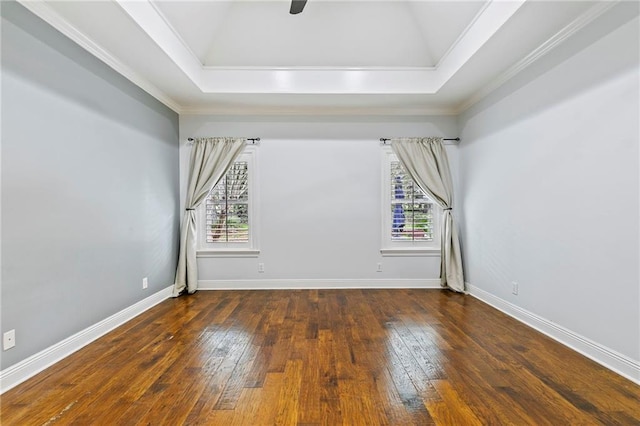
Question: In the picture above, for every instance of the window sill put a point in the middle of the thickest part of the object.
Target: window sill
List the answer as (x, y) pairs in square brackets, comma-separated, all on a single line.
[(228, 253), (410, 252)]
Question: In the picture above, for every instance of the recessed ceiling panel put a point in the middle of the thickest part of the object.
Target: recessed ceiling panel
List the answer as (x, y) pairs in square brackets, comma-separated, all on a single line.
[(325, 34)]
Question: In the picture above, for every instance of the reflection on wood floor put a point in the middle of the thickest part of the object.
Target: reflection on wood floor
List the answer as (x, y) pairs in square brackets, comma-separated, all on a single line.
[(324, 357)]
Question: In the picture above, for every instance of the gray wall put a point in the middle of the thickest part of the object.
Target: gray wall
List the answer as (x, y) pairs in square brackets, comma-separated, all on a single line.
[(320, 187), (89, 187), (549, 177)]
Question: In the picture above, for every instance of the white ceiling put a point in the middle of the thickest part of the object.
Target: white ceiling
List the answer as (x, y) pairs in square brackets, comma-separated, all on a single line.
[(336, 57), (328, 34)]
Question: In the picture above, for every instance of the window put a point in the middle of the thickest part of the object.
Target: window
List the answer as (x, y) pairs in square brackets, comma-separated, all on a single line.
[(227, 224), (410, 217)]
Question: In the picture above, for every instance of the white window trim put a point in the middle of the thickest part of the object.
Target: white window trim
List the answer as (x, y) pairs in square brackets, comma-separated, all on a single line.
[(390, 248), (250, 248), (228, 252), (410, 252)]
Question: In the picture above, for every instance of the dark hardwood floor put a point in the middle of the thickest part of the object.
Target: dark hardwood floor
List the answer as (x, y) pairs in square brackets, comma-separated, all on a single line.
[(324, 357)]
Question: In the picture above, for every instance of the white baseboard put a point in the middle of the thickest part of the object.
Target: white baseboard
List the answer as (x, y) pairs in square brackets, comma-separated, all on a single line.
[(604, 356), (301, 284), (23, 370), (18, 373)]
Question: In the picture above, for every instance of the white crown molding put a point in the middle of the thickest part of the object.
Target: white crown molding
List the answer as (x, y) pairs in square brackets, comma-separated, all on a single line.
[(558, 38), (315, 68), (301, 284), (46, 13), (604, 356), (316, 111), (23, 370)]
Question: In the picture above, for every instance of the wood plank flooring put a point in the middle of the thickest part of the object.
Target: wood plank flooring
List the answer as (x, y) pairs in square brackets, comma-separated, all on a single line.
[(324, 357)]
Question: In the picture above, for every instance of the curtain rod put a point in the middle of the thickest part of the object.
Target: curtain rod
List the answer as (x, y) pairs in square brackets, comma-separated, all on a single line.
[(252, 141), (385, 140)]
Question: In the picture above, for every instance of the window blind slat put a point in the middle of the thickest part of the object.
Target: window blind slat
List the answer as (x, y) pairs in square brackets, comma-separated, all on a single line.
[(227, 207), (411, 210)]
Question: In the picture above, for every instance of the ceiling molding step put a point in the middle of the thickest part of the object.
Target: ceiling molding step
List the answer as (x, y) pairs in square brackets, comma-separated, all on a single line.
[(153, 22), (317, 111), (317, 68), (176, 34), (319, 81), (462, 34), (484, 26), (558, 38), (47, 14)]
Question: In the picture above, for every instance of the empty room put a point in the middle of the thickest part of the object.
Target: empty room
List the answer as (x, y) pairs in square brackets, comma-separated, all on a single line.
[(320, 212)]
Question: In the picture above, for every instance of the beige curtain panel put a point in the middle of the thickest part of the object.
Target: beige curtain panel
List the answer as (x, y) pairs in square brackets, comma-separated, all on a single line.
[(210, 160), (426, 162)]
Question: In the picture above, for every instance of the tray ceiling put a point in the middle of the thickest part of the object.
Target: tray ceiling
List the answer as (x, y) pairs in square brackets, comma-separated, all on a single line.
[(337, 57)]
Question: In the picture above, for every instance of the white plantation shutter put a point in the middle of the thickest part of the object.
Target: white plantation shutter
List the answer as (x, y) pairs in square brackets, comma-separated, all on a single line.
[(227, 207), (411, 210)]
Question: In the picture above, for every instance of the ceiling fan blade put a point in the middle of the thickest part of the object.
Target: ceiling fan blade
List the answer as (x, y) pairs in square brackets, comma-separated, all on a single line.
[(297, 6)]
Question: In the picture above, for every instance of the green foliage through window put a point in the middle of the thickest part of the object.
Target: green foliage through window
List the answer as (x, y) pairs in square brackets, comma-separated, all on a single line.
[(227, 207)]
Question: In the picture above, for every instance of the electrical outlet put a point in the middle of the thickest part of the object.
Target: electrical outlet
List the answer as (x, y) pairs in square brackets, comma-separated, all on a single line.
[(379, 267), (260, 267), (145, 283), (514, 287), (9, 339)]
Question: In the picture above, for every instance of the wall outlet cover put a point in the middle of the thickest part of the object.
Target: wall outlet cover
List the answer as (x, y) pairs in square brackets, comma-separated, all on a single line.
[(9, 339)]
